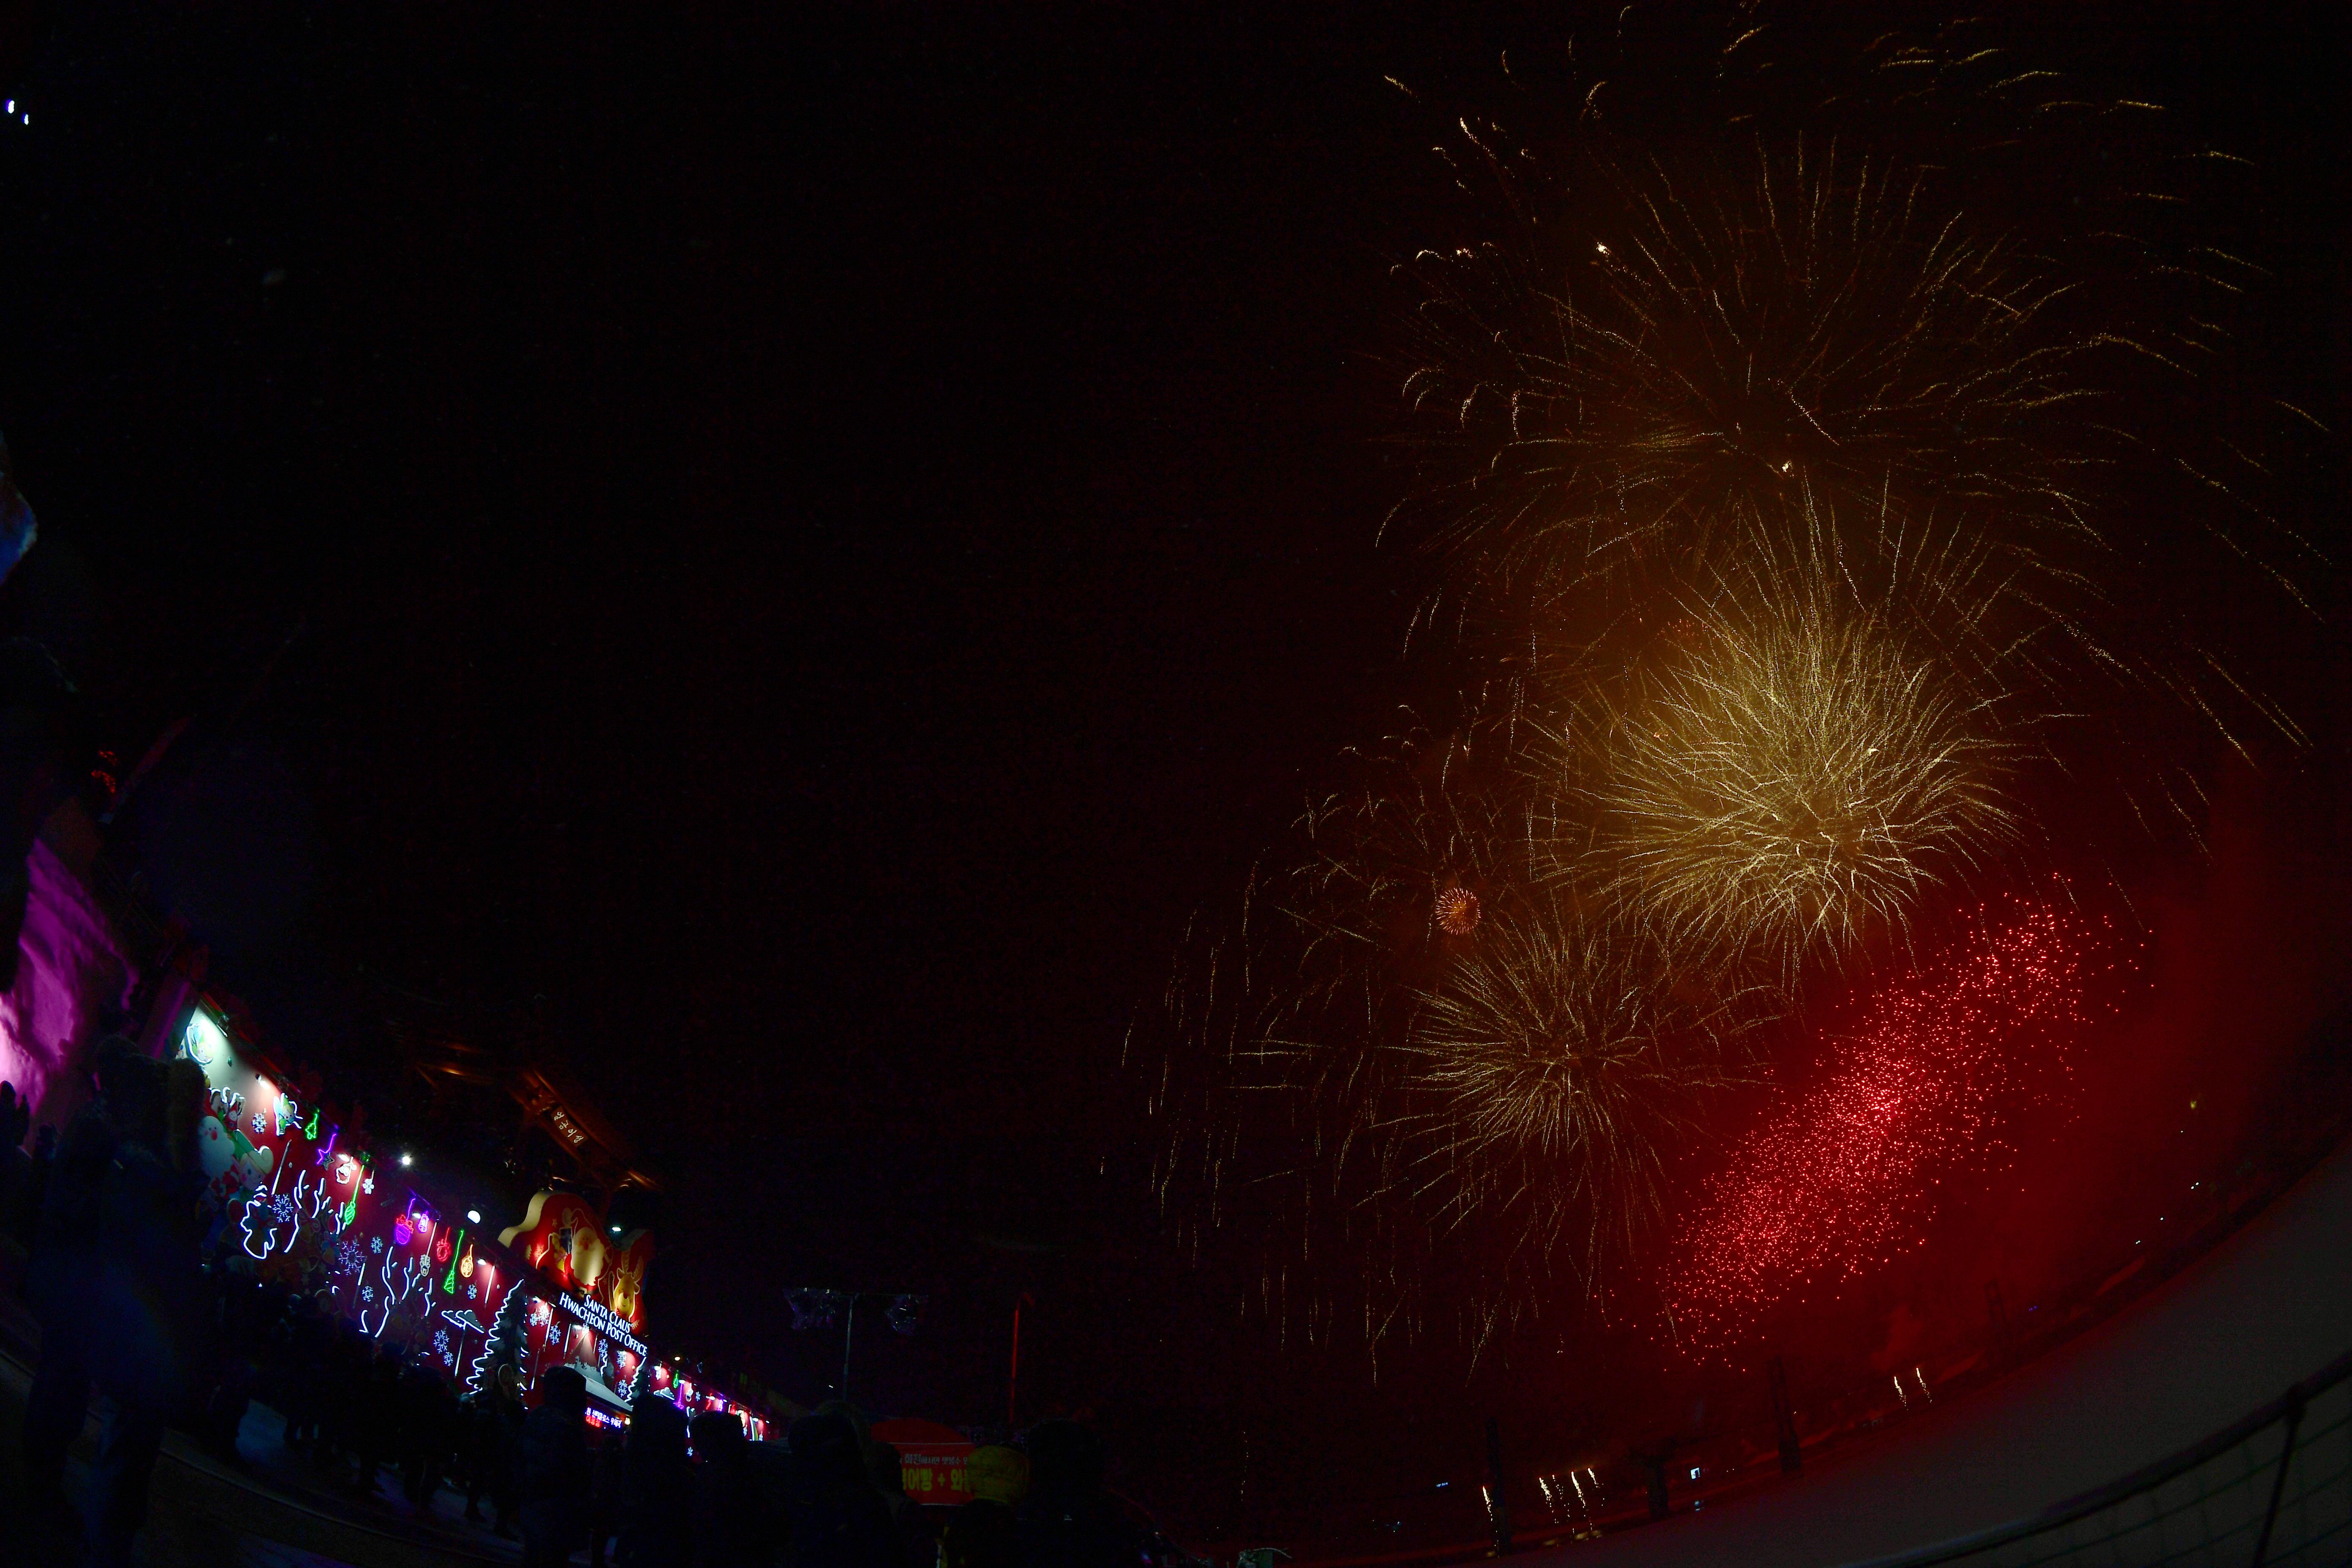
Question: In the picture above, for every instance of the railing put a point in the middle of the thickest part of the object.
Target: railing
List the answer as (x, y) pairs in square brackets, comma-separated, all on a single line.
[(2275, 1489)]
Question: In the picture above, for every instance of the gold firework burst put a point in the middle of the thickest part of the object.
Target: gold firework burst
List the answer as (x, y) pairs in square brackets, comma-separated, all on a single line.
[(1792, 779)]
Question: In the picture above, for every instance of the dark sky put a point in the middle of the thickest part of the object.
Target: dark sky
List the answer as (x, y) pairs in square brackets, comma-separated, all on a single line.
[(789, 550)]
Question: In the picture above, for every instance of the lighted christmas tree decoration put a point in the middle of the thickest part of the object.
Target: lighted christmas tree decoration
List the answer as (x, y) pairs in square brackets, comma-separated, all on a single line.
[(504, 1346)]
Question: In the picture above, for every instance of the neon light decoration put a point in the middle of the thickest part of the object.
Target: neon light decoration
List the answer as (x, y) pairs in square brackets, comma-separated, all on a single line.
[(279, 1209)]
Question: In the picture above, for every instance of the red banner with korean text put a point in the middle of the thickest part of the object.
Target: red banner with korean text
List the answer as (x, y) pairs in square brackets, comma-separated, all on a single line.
[(930, 1460)]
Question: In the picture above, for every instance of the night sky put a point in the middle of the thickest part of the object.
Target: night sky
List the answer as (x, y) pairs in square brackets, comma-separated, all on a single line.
[(782, 555)]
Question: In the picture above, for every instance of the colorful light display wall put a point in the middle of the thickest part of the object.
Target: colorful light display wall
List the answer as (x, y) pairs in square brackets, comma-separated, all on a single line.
[(296, 1202), (691, 1393)]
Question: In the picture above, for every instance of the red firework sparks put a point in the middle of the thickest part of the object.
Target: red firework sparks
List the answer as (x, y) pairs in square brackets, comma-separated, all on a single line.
[(1842, 1177), (1457, 912)]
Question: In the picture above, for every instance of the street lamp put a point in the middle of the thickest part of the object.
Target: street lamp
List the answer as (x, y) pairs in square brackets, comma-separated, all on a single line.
[(818, 1309)]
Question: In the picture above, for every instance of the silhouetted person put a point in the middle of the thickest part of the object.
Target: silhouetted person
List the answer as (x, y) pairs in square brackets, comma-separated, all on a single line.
[(1655, 1462), (506, 1417), (375, 1427), (838, 1520), (148, 1329), (24, 1214), (15, 1120), (428, 1422), (19, 1172), (657, 1487), (349, 1366), (306, 1352), (917, 1547), (1068, 1522), (245, 1311), (490, 1447), (555, 1470), (605, 1461), (983, 1533), (61, 1278), (729, 1528)]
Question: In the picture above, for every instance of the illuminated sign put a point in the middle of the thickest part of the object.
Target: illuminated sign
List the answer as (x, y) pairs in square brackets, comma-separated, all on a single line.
[(604, 1320), (567, 1240), (932, 1460)]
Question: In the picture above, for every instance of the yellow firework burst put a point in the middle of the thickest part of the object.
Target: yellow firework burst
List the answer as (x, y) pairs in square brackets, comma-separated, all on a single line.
[(1786, 780)]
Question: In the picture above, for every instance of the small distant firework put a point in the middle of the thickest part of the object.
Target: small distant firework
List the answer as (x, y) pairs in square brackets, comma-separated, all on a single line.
[(1457, 912), (1837, 1180), (1790, 780)]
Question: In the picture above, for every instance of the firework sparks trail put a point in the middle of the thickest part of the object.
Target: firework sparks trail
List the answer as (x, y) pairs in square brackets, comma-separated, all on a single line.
[(1676, 364), (1736, 350), (1844, 1177)]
